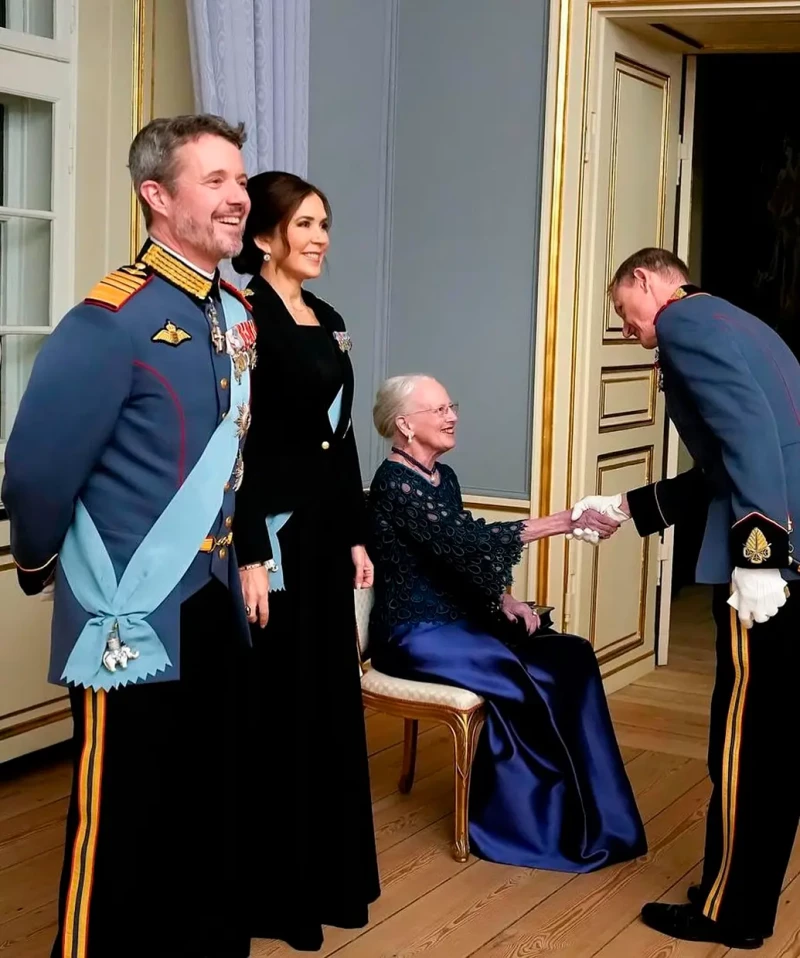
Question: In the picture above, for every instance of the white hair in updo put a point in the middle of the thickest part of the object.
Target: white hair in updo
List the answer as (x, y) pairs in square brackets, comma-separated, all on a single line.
[(390, 402)]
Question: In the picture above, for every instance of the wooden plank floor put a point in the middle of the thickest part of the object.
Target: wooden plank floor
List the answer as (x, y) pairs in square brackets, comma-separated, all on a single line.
[(431, 904)]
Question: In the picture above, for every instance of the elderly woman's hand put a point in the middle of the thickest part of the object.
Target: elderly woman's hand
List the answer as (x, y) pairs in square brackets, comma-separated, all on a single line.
[(598, 525), (364, 569), (255, 589), (514, 610)]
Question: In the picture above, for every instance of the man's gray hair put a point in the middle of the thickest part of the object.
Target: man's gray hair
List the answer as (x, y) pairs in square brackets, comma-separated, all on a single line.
[(654, 260), (391, 402), (152, 155)]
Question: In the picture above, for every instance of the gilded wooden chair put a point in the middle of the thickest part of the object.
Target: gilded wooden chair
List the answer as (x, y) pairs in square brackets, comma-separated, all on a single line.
[(459, 709)]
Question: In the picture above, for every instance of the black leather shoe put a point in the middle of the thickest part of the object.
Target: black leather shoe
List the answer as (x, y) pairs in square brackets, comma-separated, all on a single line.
[(689, 924)]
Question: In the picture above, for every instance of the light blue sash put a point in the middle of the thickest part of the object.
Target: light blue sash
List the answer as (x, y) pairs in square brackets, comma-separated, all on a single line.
[(277, 522), (160, 561)]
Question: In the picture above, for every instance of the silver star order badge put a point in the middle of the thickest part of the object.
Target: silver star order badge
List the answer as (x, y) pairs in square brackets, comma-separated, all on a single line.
[(243, 420), (238, 473)]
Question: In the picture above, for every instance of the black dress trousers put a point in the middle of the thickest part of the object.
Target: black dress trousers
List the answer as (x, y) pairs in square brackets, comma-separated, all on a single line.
[(755, 803), (155, 861)]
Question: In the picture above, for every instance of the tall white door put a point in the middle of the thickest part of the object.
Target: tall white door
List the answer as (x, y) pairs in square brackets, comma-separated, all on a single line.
[(630, 178)]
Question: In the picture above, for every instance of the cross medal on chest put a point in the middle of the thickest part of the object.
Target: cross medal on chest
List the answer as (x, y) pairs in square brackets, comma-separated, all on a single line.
[(217, 336)]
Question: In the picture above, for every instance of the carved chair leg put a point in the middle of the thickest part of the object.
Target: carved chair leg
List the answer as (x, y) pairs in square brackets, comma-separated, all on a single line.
[(465, 728), (409, 756)]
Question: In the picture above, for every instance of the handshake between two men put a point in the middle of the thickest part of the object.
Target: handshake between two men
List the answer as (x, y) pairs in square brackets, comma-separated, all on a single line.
[(756, 594)]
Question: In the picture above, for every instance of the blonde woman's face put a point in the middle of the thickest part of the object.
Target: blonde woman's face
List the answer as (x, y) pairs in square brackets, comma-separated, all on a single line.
[(431, 418)]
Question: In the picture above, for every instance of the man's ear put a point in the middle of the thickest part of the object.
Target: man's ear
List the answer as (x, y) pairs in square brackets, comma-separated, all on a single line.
[(156, 196), (642, 279)]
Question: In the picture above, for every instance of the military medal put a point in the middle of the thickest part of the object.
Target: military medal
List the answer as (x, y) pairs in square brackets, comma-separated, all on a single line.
[(659, 374), (241, 344), (217, 336)]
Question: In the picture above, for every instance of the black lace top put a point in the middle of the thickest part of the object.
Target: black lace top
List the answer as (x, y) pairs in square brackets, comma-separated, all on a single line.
[(434, 562)]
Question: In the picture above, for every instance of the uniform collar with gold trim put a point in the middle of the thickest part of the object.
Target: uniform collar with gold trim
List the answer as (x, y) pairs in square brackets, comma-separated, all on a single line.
[(680, 293), (177, 270)]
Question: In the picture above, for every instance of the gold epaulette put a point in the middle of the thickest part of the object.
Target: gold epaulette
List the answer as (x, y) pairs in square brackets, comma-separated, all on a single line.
[(114, 290), (240, 294), (176, 271)]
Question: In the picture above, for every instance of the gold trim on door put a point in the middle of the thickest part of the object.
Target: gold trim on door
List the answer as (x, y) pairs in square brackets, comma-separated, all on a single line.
[(137, 110)]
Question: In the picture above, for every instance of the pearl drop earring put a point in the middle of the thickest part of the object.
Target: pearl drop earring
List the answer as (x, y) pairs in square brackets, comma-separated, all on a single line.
[(267, 257)]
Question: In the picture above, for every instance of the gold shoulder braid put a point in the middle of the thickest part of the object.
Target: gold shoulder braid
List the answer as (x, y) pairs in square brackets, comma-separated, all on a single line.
[(115, 289), (177, 272)]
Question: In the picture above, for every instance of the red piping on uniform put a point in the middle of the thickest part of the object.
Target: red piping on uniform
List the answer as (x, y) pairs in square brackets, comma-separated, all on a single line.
[(181, 418)]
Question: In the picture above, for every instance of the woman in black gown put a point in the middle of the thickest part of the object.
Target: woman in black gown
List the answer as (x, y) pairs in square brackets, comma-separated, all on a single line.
[(299, 530), (549, 788)]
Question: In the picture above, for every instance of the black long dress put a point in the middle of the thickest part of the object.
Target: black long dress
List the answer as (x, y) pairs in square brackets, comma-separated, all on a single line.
[(312, 831)]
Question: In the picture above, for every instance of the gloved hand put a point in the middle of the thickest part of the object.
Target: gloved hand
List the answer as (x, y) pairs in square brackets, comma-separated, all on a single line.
[(607, 505), (757, 594)]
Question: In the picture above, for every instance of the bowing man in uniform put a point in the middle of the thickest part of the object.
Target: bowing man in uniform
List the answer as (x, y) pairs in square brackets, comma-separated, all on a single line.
[(732, 388), (121, 473)]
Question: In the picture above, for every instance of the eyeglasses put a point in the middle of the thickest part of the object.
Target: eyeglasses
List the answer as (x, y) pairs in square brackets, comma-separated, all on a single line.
[(441, 411)]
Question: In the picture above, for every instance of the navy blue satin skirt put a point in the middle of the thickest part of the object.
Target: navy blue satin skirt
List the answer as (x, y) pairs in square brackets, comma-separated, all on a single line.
[(549, 787)]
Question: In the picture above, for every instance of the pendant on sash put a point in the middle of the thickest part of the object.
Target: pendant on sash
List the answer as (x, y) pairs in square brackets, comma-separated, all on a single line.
[(117, 653), (217, 336)]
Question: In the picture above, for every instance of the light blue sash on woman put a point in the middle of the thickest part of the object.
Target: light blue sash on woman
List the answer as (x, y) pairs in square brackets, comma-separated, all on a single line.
[(277, 522), (160, 561)]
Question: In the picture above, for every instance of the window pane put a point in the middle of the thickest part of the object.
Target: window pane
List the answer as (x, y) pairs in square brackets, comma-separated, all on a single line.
[(24, 271), (28, 16), (17, 353), (26, 152)]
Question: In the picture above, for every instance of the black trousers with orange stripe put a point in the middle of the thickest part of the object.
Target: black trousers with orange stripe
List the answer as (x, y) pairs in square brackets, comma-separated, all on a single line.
[(155, 862), (755, 803)]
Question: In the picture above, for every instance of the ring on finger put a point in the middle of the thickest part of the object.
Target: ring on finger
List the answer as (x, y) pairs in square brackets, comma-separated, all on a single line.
[(248, 610)]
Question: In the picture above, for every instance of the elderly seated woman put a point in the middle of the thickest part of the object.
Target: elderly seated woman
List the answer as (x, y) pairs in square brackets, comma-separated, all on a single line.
[(549, 788)]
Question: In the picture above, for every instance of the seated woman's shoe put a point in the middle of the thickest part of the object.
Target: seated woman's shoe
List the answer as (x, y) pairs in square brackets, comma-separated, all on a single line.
[(689, 924)]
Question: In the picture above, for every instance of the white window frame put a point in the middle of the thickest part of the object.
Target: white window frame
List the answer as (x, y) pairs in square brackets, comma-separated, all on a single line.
[(43, 68)]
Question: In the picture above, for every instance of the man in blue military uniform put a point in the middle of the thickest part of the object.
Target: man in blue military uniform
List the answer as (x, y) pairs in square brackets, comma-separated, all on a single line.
[(121, 471), (732, 388)]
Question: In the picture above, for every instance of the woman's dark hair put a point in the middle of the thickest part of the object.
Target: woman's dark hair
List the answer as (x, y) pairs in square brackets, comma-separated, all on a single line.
[(275, 197)]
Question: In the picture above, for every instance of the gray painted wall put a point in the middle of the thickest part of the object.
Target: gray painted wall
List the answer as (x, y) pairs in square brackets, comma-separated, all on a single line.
[(426, 132)]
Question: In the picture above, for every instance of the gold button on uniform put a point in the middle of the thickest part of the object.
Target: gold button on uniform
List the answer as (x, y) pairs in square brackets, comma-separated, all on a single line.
[(228, 522), (223, 383), (227, 487), (326, 445), (223, 552)]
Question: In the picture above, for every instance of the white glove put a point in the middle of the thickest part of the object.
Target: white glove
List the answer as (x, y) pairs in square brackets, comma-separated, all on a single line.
[(609, 505), (585, 535), (757, 594)]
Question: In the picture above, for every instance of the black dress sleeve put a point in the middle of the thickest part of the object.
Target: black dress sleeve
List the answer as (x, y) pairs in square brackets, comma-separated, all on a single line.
[(354, 485), (479, 555)]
